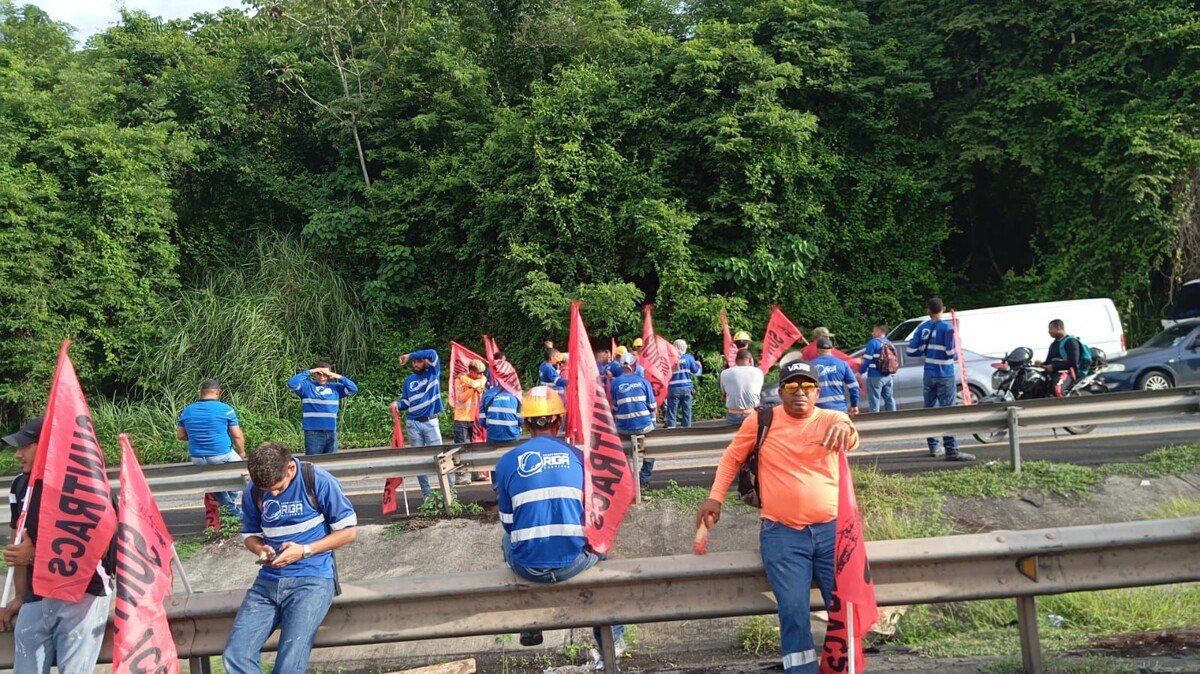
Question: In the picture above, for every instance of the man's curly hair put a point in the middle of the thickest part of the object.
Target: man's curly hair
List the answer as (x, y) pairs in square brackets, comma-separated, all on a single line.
[(268, 464)]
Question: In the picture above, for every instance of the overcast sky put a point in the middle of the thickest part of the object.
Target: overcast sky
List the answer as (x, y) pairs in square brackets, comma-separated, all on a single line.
[(92, 16)]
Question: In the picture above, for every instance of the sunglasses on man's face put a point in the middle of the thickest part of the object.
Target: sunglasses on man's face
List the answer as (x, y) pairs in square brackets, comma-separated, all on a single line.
[(806, 386)]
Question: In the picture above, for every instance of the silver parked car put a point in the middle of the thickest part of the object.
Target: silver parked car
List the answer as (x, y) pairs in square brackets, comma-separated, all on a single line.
[(909, 388)]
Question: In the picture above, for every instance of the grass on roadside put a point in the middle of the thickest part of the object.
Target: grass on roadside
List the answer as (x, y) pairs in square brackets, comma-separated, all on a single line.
[(1177, 507)]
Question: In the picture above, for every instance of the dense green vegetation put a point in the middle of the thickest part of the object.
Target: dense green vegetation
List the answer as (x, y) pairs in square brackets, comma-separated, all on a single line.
[(239, 194)]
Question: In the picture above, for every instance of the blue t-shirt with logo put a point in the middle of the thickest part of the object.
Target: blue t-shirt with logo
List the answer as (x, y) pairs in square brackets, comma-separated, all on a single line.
[(207, 424), (289, 517), (539, 487)]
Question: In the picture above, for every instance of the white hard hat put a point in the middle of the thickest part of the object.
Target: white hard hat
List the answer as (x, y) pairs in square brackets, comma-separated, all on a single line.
[(681, 345)]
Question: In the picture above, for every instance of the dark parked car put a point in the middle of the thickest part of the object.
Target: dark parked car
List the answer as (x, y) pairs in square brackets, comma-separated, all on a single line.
[(1170, 358)]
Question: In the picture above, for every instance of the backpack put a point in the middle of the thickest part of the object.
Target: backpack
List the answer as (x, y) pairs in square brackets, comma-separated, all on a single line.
[(309, 474), (1086, 359), (748, 473), (888, 361)]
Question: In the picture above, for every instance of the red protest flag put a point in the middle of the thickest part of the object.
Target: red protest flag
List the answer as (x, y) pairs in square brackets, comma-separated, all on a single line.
[(502, 371), (607, 476), (460, 358), (76, 520), (852, 608), (659, 358), (780, 334), (392, 483), (729, 347), (142, 639), (397, 430)]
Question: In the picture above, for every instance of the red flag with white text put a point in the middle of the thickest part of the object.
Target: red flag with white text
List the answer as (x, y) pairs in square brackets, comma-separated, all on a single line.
[(659, 359), (142, 639), (460, 358), (76, 520), (607, 476), (502, 371), (852, 608), (780, 334), (729, 347)]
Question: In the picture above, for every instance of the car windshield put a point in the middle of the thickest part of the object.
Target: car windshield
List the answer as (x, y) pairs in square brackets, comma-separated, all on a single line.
[(1187, 302), (1169, 337), (901, 332)]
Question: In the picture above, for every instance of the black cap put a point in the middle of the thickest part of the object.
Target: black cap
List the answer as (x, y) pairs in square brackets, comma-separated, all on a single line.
[(824, 343), (210, 385), (798, 369), (29, 433)]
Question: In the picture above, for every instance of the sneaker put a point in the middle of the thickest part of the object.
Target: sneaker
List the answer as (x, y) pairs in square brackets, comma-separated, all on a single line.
[(531, 638), (598, 662), (462, 480), (960, 456), (936, 452)]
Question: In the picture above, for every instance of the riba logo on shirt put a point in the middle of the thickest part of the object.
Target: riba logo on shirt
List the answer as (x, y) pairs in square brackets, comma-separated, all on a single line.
[(532, 463), (273, 510), (625, 388), (823, 370)]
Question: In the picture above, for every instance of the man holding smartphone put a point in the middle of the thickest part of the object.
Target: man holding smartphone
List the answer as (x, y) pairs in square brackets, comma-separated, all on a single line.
[(295, 515)]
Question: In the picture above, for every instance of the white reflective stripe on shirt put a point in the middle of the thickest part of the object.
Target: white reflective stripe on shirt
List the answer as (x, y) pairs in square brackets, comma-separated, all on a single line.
[(245, 536), (632, 415), (940, 361), (546, 531), (506, 518), (12, 498), (280, 532), (631, 399), (935, 347), (413, 408), (321, 415), (503, 422), (545, 494), (853, 384), (799, 659), (345, 522), (831, 399), (319, 401)]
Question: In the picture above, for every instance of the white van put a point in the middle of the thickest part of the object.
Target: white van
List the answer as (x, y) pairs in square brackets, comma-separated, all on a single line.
[(995, 331)]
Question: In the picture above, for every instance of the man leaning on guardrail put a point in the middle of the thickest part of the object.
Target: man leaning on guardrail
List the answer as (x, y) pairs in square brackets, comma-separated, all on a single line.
[(798, 485)]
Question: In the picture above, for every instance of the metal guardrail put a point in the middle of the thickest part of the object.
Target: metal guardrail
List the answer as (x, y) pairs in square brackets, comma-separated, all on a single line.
[(708, 441), (1002, 564)]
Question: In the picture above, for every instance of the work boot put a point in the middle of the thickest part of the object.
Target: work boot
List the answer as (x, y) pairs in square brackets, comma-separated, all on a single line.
[(936, 452), (531, 638), (960, 456)]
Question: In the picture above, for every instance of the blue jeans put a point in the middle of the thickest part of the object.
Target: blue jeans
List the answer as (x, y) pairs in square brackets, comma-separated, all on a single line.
[(295, 605), (680, 400), (586, 560), (423, 434), (880, 389), (793, 560), (53, 629), (735, 418), (320, 442), (939, 392), (229, 499)]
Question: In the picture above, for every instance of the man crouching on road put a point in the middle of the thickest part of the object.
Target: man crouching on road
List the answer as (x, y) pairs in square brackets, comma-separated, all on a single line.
[(798, 483), (539, 486), (291, 525)]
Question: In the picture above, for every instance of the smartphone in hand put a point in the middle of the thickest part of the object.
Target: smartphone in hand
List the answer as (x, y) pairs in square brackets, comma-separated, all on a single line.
[(264, 561)]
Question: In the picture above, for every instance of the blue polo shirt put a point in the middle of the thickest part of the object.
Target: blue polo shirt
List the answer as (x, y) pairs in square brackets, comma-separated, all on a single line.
[(539, 487), (207, 424)]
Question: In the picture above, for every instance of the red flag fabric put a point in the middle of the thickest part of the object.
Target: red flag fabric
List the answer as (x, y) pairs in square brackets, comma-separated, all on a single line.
[(781, 333), (729, 347), (852, 609), (659, 358), (76, 521), (390, 486), (962, 361), (502, 371), (397, 430), (142, 639), (212, 512), (460, 358), (607, 476)]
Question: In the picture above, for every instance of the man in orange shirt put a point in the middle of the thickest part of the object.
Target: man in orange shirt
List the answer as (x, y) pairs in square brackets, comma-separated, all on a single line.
[(798, 483), (468, 390)]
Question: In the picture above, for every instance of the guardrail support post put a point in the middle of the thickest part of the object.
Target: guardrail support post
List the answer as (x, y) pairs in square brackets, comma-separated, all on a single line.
[(638, 443), (1014, 439), (200, 666), (446, 466), (608, 649), (1031, 647)]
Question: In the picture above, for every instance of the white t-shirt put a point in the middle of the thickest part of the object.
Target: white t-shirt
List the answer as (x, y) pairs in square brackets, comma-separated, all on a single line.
[(742, 385)]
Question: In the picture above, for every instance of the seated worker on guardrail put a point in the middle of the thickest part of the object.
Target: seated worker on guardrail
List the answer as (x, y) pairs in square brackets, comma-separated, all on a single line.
[(296, 514), (798, 485), (539, 486)]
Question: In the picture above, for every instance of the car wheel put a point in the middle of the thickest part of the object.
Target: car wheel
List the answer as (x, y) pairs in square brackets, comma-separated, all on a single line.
[(1155, 380), (976, 395), (1080, 430)]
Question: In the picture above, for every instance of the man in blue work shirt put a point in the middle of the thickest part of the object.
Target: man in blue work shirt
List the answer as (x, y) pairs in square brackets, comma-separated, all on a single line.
[(548, 370), (214, 435), (293, 536), (539, 490), (934, 340), (500, 413), (321, 391), (681, 389), (422, 399), (880, 386), (633, 400), (839, 386)]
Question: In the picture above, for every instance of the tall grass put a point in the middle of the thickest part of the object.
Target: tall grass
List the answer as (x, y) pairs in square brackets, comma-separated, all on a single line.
[(253, 325)]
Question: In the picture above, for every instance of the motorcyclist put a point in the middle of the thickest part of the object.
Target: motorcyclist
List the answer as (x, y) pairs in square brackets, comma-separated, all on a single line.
[(1063, 362)]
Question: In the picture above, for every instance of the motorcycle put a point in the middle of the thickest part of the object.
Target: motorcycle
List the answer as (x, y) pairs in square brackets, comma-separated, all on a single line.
[(1020, 377)]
